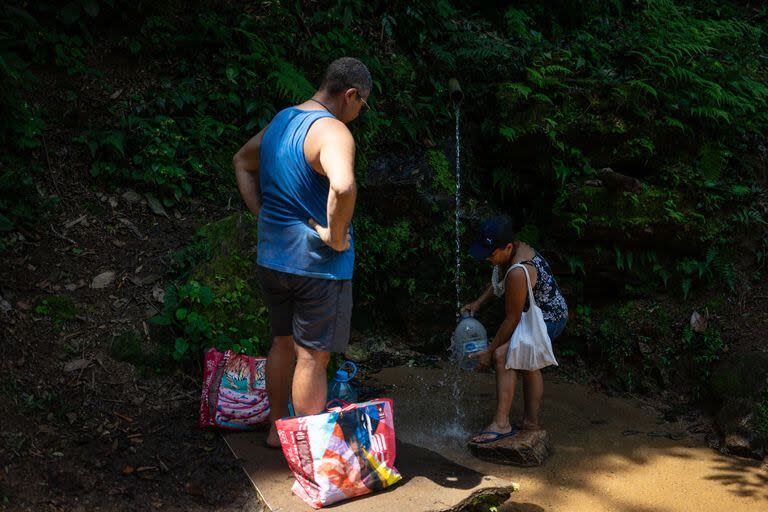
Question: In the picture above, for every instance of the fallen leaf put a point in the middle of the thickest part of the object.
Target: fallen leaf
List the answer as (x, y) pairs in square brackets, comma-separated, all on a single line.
[(128, 470), (155, 205), (123, 417), (103, 280), (74, 222), (116, 94), (158, 294), (130, 225), (192, 489), (46, 429), (77, 364), (150, 279)]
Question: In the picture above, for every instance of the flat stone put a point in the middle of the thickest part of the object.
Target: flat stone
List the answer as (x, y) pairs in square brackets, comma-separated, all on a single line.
[(526, 448)]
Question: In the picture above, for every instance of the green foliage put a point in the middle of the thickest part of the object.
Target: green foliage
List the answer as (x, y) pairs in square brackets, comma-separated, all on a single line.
[(672, 93), (639, 343), (59, 308), (148, 359), (215, 302), (381, 256), (205, 320), (445, 181), (705, 349)]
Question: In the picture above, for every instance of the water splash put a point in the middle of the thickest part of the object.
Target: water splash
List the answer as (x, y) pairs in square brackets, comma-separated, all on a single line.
[(442, 426)]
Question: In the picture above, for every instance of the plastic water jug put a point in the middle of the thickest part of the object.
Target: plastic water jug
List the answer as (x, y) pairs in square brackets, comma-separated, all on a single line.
[(468, 338), (341, 387)]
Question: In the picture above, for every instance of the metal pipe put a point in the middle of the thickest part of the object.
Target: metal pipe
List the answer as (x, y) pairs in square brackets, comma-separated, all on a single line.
[(454, 89)]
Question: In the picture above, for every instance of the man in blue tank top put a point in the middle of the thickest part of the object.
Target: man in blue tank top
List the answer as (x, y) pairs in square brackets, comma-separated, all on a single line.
[(297, 176)]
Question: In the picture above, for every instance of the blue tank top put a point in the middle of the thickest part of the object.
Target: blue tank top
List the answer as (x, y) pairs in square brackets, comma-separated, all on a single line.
[(292, 193)]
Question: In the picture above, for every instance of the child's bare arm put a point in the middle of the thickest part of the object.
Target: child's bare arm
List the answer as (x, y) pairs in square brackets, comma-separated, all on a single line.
[(484, 297)]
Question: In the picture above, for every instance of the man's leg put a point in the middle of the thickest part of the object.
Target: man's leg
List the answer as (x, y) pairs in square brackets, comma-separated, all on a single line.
[(279, 371), (310, 386), (533, 389), (506, 380)]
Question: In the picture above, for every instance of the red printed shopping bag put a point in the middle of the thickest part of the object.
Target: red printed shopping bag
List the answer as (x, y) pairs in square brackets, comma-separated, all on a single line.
[(342, 453), (234, 391)]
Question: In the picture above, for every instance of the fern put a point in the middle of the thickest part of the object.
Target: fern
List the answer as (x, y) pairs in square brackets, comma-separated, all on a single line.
[(712, 114), (290, 83)]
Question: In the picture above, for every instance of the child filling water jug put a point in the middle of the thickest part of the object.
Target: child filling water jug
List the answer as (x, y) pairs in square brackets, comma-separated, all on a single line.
[(469, 337)]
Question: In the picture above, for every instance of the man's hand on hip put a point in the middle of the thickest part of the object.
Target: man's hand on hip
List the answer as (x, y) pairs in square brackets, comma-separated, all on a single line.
[(325, 236)]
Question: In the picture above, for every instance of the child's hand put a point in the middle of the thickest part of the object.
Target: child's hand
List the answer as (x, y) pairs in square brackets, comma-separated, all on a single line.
[(472, 308), (483, 360)]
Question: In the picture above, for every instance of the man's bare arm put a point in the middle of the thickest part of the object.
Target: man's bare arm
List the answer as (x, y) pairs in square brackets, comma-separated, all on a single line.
[(337, 158), (246, 165)]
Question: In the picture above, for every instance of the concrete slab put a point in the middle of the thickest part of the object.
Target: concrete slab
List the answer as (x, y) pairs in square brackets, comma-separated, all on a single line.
[(430, 482)]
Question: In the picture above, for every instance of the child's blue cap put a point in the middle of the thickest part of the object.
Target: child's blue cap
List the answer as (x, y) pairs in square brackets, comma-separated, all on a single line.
[(493, 234)]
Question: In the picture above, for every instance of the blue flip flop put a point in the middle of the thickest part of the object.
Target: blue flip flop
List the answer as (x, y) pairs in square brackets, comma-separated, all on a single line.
[(497, 436)]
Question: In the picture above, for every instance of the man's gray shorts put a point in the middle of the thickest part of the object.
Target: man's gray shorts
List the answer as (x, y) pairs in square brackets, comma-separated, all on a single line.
[(316, 312)]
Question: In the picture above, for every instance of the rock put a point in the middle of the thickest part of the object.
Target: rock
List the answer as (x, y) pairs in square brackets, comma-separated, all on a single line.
[(737, 422), (617, 181), (527, 448), (103, 280), (131, 196), (698, 322), (746, 444)]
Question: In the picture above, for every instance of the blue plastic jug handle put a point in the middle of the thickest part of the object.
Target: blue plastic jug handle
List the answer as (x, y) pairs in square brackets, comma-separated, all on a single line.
[(354, 369), (333, 403)]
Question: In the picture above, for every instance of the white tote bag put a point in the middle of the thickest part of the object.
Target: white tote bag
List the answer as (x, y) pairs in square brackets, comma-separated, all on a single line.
[(530, 347)]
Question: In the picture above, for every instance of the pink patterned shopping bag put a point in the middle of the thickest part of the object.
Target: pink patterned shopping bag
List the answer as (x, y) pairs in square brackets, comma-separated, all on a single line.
[(342, 453), (234, 392)]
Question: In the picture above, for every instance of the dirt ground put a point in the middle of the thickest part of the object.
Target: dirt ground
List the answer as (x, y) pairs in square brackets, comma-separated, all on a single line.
[(608, 453), (80, 429)]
